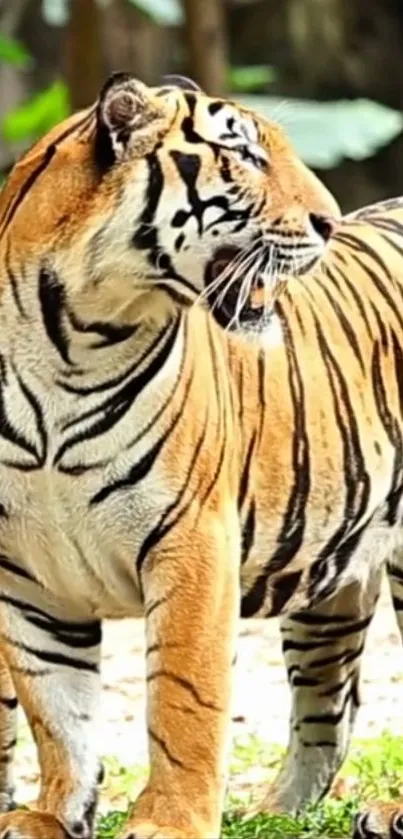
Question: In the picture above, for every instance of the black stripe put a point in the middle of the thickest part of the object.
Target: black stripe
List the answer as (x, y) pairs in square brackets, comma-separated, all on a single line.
[(34, 175), (345, 324), (328, 718), (310, 618), (340, 659), (10, 703), (356, 478), (52, 297), (188, 166), (291, 644), (39, 420), (358, 247), (108, 334), (32, 672), (166, 523), (394, 571), (398, 359), (168, 754), (161, 601), (320, 744), (345, 630), (243, 487), (8, 432), (355, 293), (382, 328), (337, 688), (302, 681), (57, 658), (397, 604), (109, 412), (119, 379), (8, 565), (248, 532), (187, 685), (146, 235), (261, 375), (389, 225), (75, 634), (290, 538), (15, 291), (392, 428), (70, 635), (143, 466), (283, 590)]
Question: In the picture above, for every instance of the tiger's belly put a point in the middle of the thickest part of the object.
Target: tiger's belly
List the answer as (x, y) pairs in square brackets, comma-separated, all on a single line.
[(80, 547)]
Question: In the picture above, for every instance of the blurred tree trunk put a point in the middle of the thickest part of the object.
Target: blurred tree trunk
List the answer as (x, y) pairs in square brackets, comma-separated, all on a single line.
[(84, 53), (134, 43), (206, 39)]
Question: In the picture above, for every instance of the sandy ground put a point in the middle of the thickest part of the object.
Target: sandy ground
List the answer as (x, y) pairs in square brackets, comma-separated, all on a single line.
[(261, 699)]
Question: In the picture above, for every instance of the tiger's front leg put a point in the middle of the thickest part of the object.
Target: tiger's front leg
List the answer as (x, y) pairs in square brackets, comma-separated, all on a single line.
[(191, 593), (55, 669)]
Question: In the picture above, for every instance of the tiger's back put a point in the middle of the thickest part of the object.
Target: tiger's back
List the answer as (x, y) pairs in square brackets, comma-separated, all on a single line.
[(327, 507)]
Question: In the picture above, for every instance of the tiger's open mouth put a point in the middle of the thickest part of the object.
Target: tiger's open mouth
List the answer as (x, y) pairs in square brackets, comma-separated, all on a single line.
[(231, 291), (239, 294), (241, 288)]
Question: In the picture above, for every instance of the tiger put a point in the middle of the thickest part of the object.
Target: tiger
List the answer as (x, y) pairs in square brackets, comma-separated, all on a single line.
[(200, 398)]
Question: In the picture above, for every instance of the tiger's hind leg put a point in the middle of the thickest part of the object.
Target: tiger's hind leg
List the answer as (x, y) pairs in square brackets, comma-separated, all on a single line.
[(55, 667), (323, 648), (8, 735)]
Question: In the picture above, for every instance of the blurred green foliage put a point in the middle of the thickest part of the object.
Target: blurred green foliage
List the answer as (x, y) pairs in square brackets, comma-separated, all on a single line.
[(12, 52), (323, 133), (35, 117), (250, 79)]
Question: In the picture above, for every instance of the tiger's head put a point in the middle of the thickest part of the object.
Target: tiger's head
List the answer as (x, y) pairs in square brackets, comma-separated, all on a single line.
[(163, 197)]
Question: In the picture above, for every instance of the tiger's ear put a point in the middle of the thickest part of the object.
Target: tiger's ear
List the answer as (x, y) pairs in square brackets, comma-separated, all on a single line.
[(125, 107), (174, 80)]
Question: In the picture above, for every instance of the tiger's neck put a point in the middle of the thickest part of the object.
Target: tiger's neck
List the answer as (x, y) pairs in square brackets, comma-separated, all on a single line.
[(83, 341)]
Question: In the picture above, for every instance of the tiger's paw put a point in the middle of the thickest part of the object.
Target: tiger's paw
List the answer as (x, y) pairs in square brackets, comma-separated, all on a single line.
[(158, 815), (30, 824)]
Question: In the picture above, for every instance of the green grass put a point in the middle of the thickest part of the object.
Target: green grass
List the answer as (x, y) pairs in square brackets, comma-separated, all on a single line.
[(374, 770)]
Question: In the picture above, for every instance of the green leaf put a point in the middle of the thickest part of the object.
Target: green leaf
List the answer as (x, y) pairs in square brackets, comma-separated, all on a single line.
[(35, 117), (13, 52), (324, 133), (163, 12), (249, 78)]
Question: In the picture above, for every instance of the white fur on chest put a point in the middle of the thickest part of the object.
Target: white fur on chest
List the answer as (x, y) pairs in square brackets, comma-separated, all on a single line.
[(80, 549), (81, 553)]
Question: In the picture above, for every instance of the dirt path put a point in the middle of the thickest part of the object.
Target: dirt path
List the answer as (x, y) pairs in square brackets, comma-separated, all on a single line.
[(261, 698)]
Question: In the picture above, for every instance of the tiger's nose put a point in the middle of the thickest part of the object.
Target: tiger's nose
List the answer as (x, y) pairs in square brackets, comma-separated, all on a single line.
[(324, 226)]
